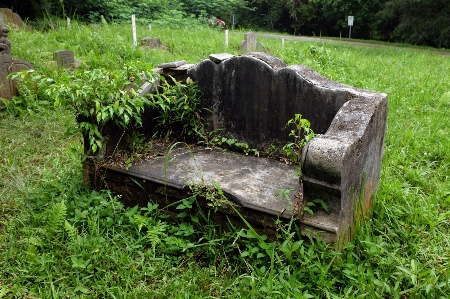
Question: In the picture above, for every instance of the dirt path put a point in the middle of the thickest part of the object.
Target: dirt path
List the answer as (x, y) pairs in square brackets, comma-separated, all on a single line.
[(355, 43)]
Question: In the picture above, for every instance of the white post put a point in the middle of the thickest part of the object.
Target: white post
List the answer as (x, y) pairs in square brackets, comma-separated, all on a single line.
[(282, 43), (226, 38), (149, 27), (68, 22), (133, 25)]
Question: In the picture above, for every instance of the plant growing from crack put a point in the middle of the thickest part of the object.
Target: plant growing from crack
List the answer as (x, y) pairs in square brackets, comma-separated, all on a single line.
[(302, 134)]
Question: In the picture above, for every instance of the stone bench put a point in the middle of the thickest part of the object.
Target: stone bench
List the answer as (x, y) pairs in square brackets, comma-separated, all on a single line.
[(251, 98)]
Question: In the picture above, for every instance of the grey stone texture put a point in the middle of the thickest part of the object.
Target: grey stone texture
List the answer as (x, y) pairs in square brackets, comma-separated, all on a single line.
[(250, 43), (173, 64), (151, 43), (250, 98), (8, 16), (249, 181), (66, 59), (253, 96), (177, 70), (218, 58), (8, 65)]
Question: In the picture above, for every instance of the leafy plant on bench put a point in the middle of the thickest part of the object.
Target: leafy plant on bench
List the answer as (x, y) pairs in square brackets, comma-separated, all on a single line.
[(302, 134), (215, 139), (180, 107), (96, 96)]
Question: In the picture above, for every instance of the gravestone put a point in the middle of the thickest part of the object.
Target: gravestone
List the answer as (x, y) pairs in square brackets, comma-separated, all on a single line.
[(151, 43), (250, 43), (175, 69), (250, 98), (66, 59), (8, 65), (7, 15)]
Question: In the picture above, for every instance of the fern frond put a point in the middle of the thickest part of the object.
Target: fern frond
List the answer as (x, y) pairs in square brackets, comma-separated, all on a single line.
[(156, 232), (71, 231), (140, 221), (56, 217)]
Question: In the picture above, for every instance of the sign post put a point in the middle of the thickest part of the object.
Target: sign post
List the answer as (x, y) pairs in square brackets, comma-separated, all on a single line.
[(350, 24), (133, 26), (233, 21), (226, 38)]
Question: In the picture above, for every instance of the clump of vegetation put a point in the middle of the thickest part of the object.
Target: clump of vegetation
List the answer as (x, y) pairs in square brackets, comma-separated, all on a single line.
[(96, 97)]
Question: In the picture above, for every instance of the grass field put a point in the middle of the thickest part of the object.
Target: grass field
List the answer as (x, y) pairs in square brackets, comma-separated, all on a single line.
[(61, 240)]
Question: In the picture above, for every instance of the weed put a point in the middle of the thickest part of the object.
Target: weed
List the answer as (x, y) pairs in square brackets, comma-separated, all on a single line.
[(179, 109), (302, 134)]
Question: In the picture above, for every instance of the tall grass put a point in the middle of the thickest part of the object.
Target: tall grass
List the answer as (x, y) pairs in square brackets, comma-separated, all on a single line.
[(105, 250)]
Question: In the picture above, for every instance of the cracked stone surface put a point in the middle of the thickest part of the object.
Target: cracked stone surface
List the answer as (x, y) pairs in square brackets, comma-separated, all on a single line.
[(249, 181)]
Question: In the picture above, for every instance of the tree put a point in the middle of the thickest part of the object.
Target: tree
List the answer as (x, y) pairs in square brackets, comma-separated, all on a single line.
[(418, 22)]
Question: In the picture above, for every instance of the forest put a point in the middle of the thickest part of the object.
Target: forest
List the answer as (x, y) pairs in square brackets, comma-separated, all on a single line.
[(416, 22)]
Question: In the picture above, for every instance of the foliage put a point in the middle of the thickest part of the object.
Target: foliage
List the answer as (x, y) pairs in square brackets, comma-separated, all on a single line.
[(179, 108), (97, 96), (417, 22), (302, 134)]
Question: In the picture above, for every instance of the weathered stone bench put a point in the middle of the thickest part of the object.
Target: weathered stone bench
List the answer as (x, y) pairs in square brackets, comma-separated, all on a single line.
[(251, 98)]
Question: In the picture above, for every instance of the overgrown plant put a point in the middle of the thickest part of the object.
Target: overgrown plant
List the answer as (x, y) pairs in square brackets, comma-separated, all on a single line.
[(179, 106), (97, 97), (215, 139), (302, 134)]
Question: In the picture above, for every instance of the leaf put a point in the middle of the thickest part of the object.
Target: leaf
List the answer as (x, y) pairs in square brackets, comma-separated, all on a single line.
[(322, 204), (182, 215), (81, 289), (307, 209), (181, 207)]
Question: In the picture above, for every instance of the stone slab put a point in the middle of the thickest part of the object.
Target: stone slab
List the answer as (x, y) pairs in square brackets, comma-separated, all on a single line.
[(148, 87), (251, 98), (249, 181), (218, 58), (6, 90), (249, 44), (64, 58), (151, 42), (173, 64)]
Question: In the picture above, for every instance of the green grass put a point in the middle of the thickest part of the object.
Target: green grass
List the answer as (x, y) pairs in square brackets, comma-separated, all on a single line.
[(107, 251)]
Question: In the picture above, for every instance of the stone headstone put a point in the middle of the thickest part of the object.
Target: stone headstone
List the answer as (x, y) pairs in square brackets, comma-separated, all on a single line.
[(6, 90), (8, 13), (66, 59), (151, 43), (149, 87), (251, 98), (8, 16), (250, 43), (8, 65)]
